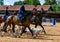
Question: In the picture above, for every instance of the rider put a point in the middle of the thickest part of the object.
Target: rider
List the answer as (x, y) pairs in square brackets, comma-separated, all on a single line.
[(21, 13), (34, 13), (6, 14), (5, 17)]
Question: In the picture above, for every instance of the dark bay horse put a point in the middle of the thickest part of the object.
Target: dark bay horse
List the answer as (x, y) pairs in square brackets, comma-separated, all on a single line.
[(38, 20)]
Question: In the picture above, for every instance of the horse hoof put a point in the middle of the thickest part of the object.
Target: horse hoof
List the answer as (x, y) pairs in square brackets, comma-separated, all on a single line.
[(2, 34), (19, 36), (15, 35), (34, 37), (44, 32)]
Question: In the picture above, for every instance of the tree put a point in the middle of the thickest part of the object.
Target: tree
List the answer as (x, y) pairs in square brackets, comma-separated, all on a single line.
[(53, 4), (36, 2), (32, 2), (29, 2), (18, 3), (47, 2), (50, 2)]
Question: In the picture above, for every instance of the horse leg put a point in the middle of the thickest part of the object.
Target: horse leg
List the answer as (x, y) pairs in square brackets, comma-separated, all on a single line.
[(9, 29), (23, 30), (30, 30), (13, 29), (43, 29), (4, 29), (35, 25)]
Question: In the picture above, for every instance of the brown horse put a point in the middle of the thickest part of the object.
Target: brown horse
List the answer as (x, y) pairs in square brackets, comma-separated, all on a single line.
[(6, 23), (26, 23), (14, 21)]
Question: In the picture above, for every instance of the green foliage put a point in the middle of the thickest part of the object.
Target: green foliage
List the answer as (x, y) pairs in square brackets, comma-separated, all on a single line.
[(36, 2), (29, 2), (32, 2), (54, 7), (58, 7), (52, 3), (18, 3)]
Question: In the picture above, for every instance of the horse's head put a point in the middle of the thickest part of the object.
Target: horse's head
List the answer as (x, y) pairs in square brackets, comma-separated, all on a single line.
[(34, 11)]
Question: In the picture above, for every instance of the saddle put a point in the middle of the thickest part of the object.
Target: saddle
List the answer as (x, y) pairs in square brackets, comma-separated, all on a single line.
[(24, 17)]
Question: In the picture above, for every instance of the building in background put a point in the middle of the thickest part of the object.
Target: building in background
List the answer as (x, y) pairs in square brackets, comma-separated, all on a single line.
[(1, 2)]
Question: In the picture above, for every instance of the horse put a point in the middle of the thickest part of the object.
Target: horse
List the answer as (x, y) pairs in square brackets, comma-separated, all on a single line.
[(14, 21), (25, 24), (38, 20)]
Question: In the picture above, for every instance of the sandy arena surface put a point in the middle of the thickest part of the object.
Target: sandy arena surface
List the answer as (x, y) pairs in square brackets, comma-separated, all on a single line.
[(53, 35)]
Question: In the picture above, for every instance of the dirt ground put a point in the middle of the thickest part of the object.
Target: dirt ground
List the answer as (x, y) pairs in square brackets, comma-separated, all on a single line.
[(53, 35)]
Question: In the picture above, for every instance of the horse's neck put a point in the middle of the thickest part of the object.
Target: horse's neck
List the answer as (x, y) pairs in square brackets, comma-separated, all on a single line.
[(15, 16)]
